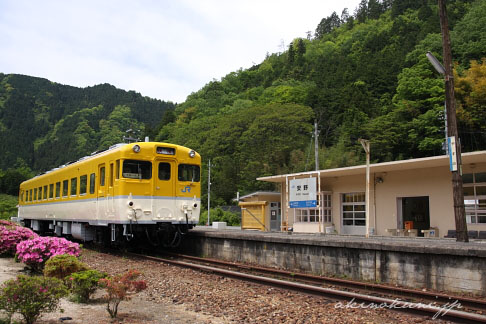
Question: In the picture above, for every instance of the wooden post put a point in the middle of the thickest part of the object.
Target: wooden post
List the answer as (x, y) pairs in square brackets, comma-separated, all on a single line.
[(457, 189)]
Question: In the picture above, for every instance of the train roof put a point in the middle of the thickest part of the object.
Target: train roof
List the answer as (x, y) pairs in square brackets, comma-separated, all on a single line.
[(111, 149)]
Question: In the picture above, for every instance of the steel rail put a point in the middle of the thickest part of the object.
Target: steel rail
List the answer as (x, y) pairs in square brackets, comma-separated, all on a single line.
[(473, 303), (444, 312)]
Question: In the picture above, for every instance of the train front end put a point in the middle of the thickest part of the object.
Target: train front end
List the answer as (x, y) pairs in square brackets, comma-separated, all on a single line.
[(161, 184)]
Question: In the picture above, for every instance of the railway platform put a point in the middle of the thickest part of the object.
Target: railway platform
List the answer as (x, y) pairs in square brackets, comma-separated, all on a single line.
[(414, 262)]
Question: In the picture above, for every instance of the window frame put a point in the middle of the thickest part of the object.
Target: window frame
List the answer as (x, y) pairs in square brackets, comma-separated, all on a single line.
[(356, 202), (475, 204), (85, 182)]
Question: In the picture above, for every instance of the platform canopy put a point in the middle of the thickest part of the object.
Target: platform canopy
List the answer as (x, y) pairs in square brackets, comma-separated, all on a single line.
[(421, 163)]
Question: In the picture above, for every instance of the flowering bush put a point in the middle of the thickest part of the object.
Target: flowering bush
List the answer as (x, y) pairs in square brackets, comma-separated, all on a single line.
[(7, 223), (84, 283), (63, 265), (37, 251), (31, 296), (121, 287), (11, 235)]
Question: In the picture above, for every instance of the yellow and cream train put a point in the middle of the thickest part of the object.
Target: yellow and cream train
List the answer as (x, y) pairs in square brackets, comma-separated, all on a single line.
[(146, 190)]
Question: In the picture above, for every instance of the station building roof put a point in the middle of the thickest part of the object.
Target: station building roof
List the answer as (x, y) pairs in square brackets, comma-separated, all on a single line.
[(421, 163)]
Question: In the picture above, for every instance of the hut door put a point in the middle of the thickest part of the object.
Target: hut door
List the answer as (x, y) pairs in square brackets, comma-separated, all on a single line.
[(275, 216)]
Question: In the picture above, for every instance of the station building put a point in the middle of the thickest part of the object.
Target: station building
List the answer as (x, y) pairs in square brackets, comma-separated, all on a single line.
[(409, 197)]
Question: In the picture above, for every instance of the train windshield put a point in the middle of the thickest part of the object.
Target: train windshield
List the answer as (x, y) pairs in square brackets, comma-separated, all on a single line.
[(134, 169), (189, 172)]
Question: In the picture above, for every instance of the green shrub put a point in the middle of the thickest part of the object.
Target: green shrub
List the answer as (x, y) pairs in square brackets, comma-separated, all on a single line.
[(219, 215), (63, 265), (31, 296), (84, 283)]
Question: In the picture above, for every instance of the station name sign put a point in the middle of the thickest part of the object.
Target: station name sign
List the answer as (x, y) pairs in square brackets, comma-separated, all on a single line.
[(303, 193)]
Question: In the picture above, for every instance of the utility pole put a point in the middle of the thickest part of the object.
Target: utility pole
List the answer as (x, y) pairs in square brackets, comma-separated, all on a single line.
[(209, 190), (457, 189), (316, 144), (366, 147)]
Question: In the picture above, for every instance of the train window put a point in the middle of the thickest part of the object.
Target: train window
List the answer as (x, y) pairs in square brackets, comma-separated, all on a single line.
[(35, 194), (188, 172), (117, 171), (134, 169), (111, 174), (30, 196), (51, 191), (92, 183), (58, 189), (27, 195), (74, 186), (45, 192), (83, 184), (65, 188), (164, 171), (39, 197), (102, 176)]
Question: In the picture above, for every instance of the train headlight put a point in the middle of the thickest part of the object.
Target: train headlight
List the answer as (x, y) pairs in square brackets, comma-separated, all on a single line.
[(192, 153), (136, 148)]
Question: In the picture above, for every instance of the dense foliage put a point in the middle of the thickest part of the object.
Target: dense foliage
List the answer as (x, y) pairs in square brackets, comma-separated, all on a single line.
[(362, 74), (8, 206), (37, 117)]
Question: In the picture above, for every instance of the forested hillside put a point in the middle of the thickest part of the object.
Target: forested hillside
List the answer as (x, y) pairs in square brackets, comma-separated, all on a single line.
[(45, 124), (363, 73)]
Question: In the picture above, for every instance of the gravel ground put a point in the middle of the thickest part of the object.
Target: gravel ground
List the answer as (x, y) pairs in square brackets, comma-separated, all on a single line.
[(184, 296), (179, 295)]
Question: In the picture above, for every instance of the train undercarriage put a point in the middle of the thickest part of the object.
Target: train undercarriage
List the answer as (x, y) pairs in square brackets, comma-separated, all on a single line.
[(161, 234)]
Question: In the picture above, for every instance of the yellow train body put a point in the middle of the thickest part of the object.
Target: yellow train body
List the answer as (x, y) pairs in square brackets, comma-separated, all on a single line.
[(145, 183)]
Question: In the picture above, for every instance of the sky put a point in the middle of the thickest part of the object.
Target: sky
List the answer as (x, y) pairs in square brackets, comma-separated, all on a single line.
[(163, 49)]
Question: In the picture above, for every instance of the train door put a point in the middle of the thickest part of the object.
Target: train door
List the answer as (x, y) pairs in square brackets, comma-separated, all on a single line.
[(164, 189), (110, 191), (101, 193)]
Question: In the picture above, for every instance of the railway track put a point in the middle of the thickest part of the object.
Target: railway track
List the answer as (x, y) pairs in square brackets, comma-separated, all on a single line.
[(355, 294)]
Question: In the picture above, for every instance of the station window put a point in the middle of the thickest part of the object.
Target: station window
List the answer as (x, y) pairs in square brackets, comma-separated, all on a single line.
[(353, 209), (65, 188), (164, 171), (39, 196), (135, 169), (74, 186), (188, 172), (51, 191), (45, 192), (92, 183), (306, 215), (58, 190), (83, 184), (474, 185)]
